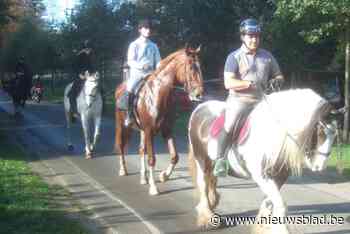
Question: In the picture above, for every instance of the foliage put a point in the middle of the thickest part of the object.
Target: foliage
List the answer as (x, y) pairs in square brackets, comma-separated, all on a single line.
[(212, 24), (91, 20), (32, 41), (312, 25)]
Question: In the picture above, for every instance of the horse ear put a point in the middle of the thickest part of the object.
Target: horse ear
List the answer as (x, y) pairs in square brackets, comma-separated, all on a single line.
[(187, 49), (198, 49)]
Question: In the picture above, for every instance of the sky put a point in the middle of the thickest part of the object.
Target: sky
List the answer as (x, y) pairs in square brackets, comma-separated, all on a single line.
[(55, 9)]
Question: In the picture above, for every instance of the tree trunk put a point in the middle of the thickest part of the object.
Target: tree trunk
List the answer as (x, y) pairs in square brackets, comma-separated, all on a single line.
[(346, 85)]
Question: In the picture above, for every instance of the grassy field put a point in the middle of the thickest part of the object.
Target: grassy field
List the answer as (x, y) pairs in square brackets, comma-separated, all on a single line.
[(340, 159), (27, 204)]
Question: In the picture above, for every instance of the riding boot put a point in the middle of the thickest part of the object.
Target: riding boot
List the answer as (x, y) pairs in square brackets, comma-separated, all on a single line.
[(129, 110), (221, 163)]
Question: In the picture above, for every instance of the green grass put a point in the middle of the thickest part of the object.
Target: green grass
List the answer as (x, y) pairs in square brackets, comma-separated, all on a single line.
[(27, 204), (340, 158)]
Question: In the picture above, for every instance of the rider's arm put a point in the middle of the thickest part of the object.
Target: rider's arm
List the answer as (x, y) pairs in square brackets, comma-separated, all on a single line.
[(231, 82), (232, 79)]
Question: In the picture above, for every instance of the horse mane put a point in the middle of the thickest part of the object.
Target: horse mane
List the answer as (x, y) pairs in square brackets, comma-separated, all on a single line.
[(298, 111), (165, 62)]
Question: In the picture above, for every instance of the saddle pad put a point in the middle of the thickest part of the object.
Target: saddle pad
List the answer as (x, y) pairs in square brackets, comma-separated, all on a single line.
[(244, 132), (217, 125)]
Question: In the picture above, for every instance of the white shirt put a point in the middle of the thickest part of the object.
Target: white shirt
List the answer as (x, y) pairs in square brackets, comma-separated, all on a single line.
[(142, 52)]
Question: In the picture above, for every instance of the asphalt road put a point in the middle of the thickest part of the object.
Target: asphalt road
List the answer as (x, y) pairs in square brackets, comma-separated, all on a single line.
[(122, 205)]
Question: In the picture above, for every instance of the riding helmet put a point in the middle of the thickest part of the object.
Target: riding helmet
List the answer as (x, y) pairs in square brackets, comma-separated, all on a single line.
[(250, 26)]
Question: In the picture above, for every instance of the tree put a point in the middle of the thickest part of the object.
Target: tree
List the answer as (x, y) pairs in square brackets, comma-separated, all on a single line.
[(319, 20), (213, 24)]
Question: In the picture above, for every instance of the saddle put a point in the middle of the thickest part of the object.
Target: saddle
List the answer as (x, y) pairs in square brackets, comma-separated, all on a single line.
[(122, 102), (240, 130)]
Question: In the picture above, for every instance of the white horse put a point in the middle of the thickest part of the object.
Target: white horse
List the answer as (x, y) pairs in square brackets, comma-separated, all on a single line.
[(286, 130), (89, 106)]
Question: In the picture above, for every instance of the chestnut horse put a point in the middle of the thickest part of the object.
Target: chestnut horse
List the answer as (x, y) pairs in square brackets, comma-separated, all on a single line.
[(154, 110), (286, 130)]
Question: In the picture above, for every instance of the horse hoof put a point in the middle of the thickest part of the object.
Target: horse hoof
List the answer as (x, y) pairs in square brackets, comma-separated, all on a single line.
[(153, 191), (143, 181), (163, 176), (123, 173), (70, 147)]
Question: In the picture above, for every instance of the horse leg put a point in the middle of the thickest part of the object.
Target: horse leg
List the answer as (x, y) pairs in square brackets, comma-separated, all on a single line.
[(204, 208), (266, 205), (68, 133), (97, 131), (273, 196), (165, 174), (143, 176), (153, 190), (121, 140), (86, 130)]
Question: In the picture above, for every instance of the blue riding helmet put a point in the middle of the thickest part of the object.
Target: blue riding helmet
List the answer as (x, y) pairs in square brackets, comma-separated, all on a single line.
[(250, 26)]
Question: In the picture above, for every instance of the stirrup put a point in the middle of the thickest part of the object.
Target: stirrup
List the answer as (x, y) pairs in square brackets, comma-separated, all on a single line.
[(127, 122), (221, 167)]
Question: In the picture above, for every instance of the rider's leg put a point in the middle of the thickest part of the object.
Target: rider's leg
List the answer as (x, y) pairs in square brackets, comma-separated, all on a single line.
[(130, 86), (233, 111)]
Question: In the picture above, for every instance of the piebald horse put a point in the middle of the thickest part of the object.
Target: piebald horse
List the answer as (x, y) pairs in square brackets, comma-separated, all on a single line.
[(286, 130), (155, 113)]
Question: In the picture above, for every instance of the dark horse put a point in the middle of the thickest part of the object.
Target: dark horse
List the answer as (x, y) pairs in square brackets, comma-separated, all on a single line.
[(154, 110), (19, 89)]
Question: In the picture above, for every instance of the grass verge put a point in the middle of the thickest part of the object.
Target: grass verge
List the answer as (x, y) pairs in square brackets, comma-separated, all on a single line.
[(27, 204), (340, 159)]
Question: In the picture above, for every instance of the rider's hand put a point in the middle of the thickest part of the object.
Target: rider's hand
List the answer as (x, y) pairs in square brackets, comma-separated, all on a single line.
[(146, 67)]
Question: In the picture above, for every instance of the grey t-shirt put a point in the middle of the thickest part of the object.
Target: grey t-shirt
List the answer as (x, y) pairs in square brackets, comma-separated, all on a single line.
[(259, 68)]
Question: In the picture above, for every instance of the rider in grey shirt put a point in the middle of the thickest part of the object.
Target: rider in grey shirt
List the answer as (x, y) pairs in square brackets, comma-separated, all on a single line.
[(143, 58), (247, 69)]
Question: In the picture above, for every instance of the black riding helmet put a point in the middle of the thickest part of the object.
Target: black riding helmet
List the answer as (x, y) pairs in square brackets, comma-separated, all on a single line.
[(249, 26), (144, 23)]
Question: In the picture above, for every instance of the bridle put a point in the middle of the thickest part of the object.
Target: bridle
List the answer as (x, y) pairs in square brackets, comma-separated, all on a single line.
[(189, 82)]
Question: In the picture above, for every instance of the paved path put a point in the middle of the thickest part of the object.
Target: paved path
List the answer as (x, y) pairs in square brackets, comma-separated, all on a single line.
[(121, 205)]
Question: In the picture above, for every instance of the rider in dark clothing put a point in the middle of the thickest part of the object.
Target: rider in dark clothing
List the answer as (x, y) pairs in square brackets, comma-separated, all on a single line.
[(85, 66), (23, 78)]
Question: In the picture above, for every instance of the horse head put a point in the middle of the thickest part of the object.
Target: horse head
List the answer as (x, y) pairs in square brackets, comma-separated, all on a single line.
[(91, 85), (322, 139), (190, 74)]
